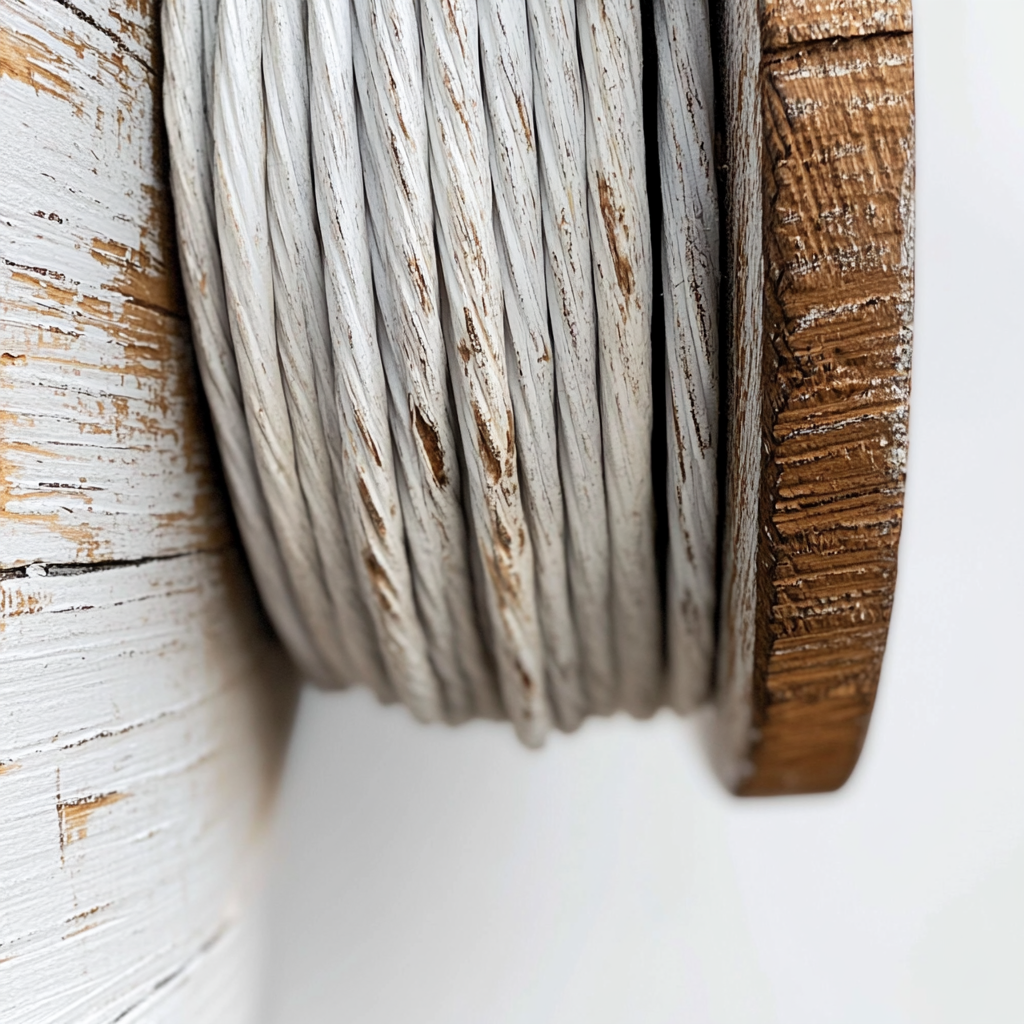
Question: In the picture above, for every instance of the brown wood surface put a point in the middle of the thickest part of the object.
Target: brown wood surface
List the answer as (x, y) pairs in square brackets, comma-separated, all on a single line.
[(830, 345)]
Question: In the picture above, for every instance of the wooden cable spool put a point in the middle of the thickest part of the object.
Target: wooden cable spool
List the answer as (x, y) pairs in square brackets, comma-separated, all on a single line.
[(118, 565)]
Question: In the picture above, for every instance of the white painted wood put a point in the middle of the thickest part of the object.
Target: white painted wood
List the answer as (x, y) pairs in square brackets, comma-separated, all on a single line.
[(94, 365), (396, 172), (138, 748), (620, 239), (461, 180), (139, 731), (690, 274), (505, 58)]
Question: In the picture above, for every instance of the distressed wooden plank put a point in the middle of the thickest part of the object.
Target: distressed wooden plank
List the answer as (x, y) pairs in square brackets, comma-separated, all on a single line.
[(129, 813), (784, 22), (139, 727), (820, 156), (95, 367)]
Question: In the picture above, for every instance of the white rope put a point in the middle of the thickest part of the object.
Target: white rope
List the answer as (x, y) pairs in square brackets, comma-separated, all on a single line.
[(561, 143), (303, 335), (690, 275), (417, 253), (189, 35), (620, 240), (395, 150), (508, 85)]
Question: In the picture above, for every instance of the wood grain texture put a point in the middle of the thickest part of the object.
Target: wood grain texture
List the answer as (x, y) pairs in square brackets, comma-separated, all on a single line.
[(140, 720), (130, 814), (820, 264), (95, 366)]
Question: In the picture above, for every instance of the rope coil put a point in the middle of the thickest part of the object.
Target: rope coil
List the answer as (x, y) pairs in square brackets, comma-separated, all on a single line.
[(417, 248)]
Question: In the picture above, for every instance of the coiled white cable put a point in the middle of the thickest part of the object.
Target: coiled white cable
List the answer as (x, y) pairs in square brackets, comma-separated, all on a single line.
[(418, 258)]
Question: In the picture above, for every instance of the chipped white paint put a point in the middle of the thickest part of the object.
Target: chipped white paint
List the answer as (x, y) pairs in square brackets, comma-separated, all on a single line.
[(129, 814), (138, 732), (95, 363)]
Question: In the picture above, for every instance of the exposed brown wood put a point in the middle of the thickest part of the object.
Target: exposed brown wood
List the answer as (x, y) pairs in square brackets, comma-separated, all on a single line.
[(821, 368)]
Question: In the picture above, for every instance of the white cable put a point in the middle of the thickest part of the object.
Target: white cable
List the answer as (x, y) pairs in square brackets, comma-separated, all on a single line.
[(561, 143), (303, 336), (370, 502), (508, 86), (463, 207), (396, 173), (417, 253), (620, 240), (690, 277), (188, 30), (243, 235)]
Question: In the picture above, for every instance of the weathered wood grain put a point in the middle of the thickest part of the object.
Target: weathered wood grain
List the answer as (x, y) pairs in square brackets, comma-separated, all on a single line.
[(129, 814), (140, 723), (95, 365), (820, 171)]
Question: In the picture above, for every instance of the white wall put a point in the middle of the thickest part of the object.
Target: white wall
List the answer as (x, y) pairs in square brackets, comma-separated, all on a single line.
[(449, 876)]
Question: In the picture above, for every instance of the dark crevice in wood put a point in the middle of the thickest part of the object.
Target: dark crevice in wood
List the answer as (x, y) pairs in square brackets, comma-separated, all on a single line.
[(770, 53), (80, 568), (109, 33)]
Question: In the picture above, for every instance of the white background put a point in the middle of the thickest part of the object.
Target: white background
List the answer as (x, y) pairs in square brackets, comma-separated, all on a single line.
[(448, 876)]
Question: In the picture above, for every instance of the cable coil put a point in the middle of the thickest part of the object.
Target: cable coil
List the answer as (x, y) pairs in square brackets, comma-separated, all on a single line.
[(445, 331)]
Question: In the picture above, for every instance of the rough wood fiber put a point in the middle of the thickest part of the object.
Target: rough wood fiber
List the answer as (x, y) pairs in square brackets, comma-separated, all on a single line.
[(138, 734), (820, 171)]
